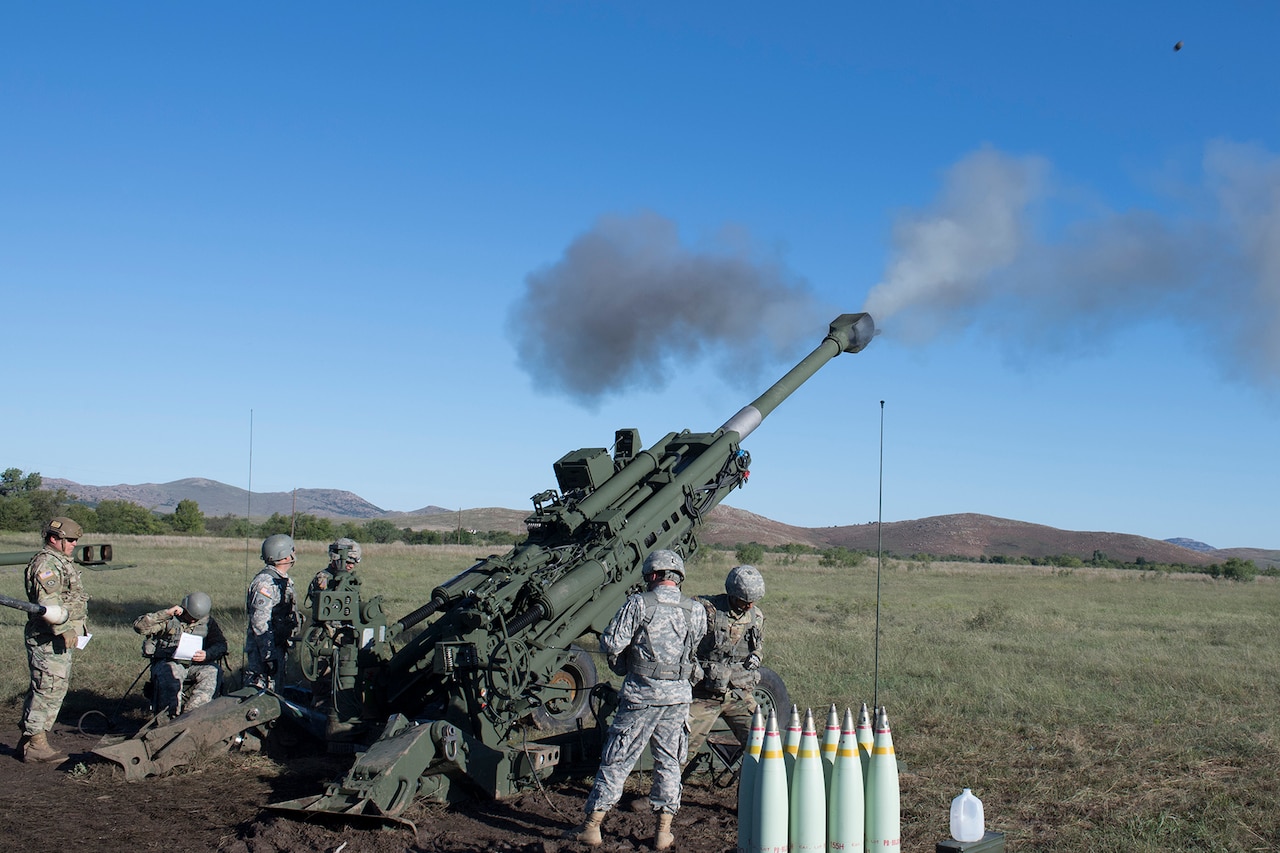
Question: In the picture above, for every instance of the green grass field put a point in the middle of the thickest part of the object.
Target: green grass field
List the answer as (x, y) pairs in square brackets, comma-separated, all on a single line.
[(1092, 710)]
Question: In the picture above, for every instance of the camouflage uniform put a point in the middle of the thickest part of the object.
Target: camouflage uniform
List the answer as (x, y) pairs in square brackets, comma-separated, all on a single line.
[(331, 656), (163, 633), (273, 617), (730, 656), (654, 635), (324, 579), (52, 579)]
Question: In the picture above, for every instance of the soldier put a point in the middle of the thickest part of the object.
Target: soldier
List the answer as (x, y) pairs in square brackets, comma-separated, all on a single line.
[(651, 639), (730, 656), (53, 580), (344, 556), (201, 672), (273, 614), (330, 648)]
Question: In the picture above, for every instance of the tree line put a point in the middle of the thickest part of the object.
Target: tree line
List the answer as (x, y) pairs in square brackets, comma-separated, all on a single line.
[(26, 506), (1234, 569)]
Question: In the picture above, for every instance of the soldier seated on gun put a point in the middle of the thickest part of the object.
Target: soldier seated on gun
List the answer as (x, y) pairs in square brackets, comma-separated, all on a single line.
[(192, 666), (730, 656)]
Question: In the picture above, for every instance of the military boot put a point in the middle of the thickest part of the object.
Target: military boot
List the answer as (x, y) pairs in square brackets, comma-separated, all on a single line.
[(37, 748), (589, 831), (662, 837)]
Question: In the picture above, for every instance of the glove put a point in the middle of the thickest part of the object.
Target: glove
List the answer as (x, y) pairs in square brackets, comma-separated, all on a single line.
[(54, 614), (752, 663)]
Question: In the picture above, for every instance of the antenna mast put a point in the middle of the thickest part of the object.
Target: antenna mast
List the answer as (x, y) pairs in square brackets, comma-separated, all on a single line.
[(875, 700)]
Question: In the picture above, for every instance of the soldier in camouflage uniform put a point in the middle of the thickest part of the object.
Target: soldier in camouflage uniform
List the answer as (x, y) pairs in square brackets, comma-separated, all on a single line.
[(651, 639), (201, 674), (331, 646), (273, 614), (730, 656), (340, 568), (52, 580)]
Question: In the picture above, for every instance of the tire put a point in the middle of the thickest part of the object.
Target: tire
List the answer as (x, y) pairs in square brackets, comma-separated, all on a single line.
[(567, 700), (771, 693)]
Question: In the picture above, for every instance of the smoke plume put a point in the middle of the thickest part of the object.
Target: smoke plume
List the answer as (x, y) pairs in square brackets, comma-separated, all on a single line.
[(1003, 251), (628, 303)]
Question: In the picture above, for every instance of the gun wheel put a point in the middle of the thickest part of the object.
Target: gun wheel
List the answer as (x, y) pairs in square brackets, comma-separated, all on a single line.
[(771, 693), (568, 691)]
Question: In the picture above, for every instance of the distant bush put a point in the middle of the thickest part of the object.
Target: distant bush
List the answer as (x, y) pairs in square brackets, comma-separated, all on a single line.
[(1239, 570), (125, 517), (842, 557)]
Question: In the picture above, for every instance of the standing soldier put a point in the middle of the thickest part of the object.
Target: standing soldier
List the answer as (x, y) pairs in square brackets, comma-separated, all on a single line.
[(730, 656), (651, 639), (331, 647), (163, 630), (53, 580), (273, 614)]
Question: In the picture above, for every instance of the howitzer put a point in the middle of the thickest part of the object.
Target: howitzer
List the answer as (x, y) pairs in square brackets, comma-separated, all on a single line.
[(495, 694)]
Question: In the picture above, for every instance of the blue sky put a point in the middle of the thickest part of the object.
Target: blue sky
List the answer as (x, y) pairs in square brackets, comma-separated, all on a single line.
[(426, 249)]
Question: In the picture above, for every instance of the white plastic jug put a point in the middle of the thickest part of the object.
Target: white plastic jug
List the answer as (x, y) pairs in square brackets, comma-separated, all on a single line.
[(967, 823)]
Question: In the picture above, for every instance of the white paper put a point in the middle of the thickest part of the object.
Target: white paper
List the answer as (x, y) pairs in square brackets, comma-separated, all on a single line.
[(188, 645), (81, 642)]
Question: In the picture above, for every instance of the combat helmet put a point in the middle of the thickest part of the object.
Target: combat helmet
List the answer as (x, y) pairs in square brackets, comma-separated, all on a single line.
[(276, 548), (63, 528), (196, 605), (745, 582), (666, 561), (352, 546)]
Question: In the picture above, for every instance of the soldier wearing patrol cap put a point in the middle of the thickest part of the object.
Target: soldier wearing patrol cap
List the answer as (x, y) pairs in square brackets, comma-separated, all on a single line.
[(53, 581), (272, 608)]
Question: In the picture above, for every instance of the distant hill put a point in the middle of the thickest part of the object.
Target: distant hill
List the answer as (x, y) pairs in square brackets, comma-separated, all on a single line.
[(968, 535), (1192, 544), (217, 499)]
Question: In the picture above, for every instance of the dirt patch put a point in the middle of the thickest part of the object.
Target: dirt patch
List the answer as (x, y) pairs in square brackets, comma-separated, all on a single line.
[(217, 803)]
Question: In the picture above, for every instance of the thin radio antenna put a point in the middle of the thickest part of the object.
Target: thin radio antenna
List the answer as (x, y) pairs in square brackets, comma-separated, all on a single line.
[(248, 507), (248, 520), (875, 700)]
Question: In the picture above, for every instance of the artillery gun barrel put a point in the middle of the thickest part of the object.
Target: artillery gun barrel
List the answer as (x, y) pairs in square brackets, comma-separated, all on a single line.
[(90, 556), (849, 333)]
